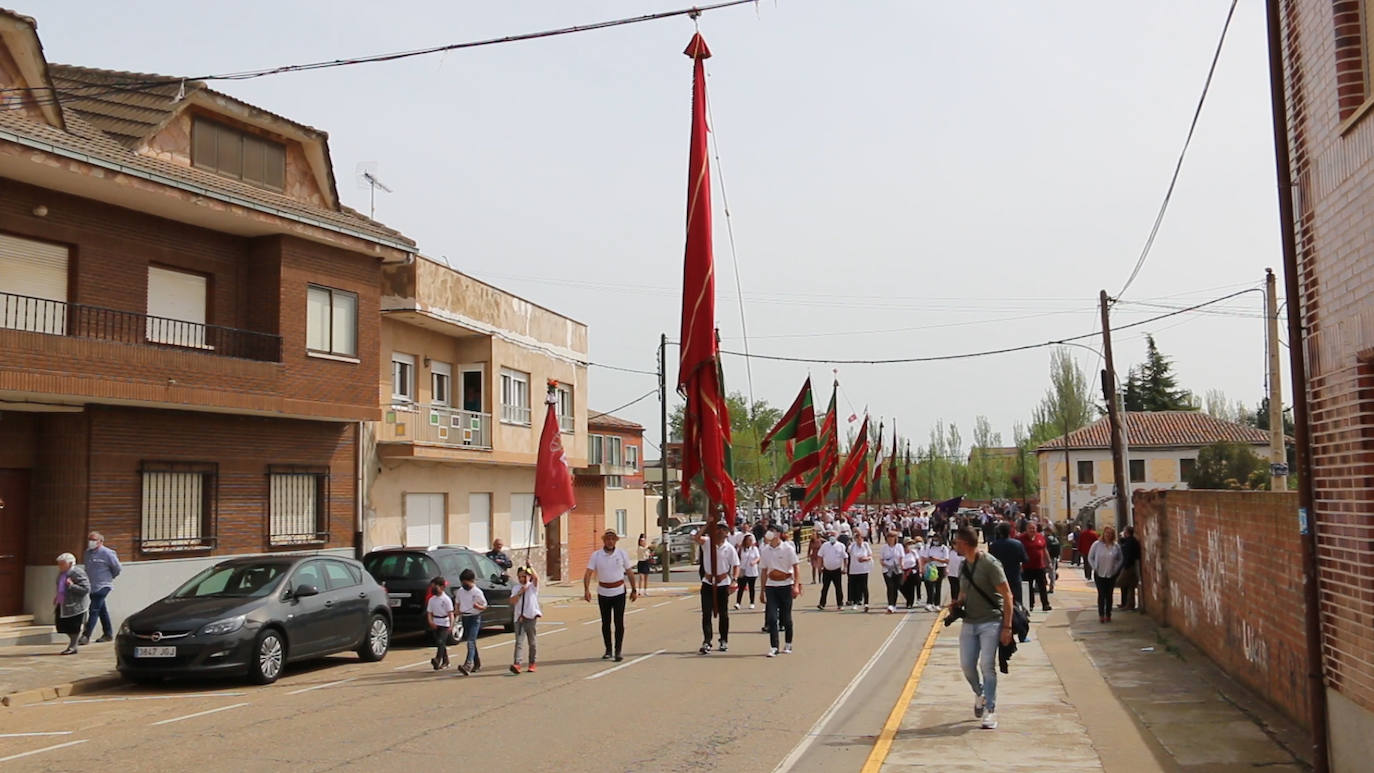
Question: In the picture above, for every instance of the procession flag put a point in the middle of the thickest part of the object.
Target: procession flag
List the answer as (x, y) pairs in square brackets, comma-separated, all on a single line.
[(892, 465), (829, 458), (706, 420), (853, 477), (876, 486), (553, 483), (798, 428)]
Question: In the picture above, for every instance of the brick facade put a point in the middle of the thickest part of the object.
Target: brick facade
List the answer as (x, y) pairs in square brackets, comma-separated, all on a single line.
[(1223, 569), (1331, 134)]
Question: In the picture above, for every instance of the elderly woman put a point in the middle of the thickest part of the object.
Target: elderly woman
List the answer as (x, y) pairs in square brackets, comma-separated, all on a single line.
[(72, 601)]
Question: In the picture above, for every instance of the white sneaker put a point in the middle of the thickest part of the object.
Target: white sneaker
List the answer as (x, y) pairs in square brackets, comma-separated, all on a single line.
[(787, 650), (932, 608), (737, 606), (990, 720), (891, 609), (978, 706), (751, 606), (772, 652)]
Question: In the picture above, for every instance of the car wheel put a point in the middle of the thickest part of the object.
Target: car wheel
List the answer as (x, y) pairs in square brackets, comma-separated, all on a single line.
[(268, 657), (376, 641)]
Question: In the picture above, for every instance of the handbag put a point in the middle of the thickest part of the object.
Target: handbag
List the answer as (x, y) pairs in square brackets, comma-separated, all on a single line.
[(1020, 618)]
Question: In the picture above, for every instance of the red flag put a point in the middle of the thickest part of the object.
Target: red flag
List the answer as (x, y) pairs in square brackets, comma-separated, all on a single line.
[(553, 484), (854, 474), (706, 419), (892, 465)]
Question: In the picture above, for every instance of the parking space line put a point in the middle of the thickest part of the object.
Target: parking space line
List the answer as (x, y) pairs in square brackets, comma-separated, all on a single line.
[(321, 686), (508, 642), (141, 698), (44, 749), (614, 669), (28, 735), (198, 714), (592, 621), (412, 665)]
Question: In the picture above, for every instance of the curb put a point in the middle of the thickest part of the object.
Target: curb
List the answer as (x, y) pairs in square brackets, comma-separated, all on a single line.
[(66, 689)]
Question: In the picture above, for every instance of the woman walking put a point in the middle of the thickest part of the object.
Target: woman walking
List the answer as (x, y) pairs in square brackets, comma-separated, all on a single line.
[(813, 552), (72, 601), (1104, 561), (891, 556), (642, 566), (749, 569), (911, 571)]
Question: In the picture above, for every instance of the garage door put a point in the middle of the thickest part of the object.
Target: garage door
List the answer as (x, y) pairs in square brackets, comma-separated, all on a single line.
[(425, 519)]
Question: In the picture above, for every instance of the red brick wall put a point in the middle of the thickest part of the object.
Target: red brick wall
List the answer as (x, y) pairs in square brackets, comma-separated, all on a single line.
[(242, 446), (1332, 148), (1224, 569), (59, 486), (586, 522)]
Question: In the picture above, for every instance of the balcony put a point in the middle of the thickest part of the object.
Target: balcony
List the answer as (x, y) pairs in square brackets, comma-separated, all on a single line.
[(40, 315), (515, 414), (566, 423), (436, 425)]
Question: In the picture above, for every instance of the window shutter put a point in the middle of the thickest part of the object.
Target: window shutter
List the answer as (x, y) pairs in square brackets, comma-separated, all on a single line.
[(33, 269), (176, 297)]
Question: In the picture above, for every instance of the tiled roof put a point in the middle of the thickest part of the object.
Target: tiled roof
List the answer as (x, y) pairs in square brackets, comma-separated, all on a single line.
[(606, 420), (107, 120), (1162, 429)]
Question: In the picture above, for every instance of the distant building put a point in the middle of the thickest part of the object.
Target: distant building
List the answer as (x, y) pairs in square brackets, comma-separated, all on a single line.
[(1162, 449), (610, 489)]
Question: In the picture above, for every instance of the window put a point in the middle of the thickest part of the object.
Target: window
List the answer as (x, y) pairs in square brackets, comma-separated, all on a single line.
[(632, 457), (176, 307), (615, 481), (340, 575), (471, 384), (524, 531), (33, 285), (615, 454), (622, 522), (479, 521), (515, 397), (1137, 470), (331, 325), (238, 154), (1185, 469), (441, 383), (402, 378), (564, 407), (297, 505), (596, 449), (1085, 472), (178, 506)]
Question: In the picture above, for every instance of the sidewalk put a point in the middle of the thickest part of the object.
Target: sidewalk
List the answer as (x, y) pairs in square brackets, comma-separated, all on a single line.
[(1086, 696)]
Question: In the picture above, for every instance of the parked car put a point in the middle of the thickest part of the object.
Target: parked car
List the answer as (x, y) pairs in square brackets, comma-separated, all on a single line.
[(406, 571), (251, 616), (680, 544)]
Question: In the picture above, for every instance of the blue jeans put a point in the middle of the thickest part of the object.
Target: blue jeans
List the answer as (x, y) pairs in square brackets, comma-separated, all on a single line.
[(471, 625), (99, 611), (978, 653)]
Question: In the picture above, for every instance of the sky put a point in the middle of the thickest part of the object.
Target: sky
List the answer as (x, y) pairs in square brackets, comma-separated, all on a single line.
[(905, 179)]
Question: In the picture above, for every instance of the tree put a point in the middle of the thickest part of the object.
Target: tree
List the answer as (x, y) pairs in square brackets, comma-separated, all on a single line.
[(755, 473), (1067, 404), (988, 476), (1151, 386), (1229, 466), (1261, 421), (1216, 404)]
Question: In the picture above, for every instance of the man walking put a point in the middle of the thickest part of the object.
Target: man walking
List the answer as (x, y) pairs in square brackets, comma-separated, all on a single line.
[(832, 555), (719, 572), (781, 585), (1129, 578), (1037, 564), (102, 567), (612, 568), (1012, 555), (986, 600)]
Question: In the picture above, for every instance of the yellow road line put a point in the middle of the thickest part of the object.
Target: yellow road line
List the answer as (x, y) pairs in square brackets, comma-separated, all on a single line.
[(878, 755)]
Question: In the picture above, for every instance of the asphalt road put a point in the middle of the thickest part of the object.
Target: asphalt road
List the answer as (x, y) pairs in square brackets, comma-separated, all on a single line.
[(665, 708)]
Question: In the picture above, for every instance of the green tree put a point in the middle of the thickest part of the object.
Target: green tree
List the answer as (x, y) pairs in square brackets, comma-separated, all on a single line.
[(1025, 480), (755, 473), (1067, 404), (987, 473), (1229, 466), (1152, 386)]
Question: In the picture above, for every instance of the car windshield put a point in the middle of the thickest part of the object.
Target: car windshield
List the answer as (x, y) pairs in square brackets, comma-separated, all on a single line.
[(232, 580)]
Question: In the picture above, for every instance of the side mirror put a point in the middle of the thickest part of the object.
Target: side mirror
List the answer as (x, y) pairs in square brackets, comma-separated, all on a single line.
[(501, 579), (305, 591)]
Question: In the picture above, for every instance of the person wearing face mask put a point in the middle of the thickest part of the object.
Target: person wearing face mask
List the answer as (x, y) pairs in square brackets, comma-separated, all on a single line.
[(102, 567), (778, 565), (911, 574), (833, 555), (891, 557), (860, 566)]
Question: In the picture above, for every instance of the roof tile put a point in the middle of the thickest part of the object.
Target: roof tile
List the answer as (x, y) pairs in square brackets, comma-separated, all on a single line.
[(1162, 429)]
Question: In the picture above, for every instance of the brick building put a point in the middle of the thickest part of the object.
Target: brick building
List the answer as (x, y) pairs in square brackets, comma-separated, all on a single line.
[(188, 345), (610, 489), (1328, 61)]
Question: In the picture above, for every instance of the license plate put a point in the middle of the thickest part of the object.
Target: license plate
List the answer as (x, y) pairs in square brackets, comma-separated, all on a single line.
[(394, 602), (155, 652)]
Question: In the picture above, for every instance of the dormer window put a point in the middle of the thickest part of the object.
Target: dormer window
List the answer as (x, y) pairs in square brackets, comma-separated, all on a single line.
[(238, 154)]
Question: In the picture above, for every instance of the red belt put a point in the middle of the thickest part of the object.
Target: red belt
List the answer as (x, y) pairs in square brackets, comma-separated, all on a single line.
[(615, 584)]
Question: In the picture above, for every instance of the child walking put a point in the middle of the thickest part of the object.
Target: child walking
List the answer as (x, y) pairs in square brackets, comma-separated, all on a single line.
[(525, 600), (471, 602), (439, 616)]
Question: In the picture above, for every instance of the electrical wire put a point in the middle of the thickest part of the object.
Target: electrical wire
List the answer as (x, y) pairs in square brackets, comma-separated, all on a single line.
[(623, 370), (1178, 167), (644, 396)]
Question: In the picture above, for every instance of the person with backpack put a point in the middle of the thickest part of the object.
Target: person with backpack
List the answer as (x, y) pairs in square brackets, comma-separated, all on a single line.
[(934, 563), (985, 606)]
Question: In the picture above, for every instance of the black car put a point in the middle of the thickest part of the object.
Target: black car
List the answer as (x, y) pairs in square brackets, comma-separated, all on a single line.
[(406, 571), (252, 616)]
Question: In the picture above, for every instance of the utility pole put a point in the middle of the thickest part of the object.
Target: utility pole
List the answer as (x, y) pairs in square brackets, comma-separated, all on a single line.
[(663, 455), (1115, 420), (1068, 482), (1278, 458)]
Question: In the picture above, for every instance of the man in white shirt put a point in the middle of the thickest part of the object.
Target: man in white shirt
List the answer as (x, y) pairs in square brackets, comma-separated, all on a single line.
[(718, 576), (781, 585), (860, 566), (611, 567), (832, 555)]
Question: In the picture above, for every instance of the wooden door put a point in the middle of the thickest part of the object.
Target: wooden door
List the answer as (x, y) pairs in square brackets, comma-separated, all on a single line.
[(14, 521)]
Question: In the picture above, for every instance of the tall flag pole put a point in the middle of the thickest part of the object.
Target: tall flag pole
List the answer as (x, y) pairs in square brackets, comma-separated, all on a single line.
[(798, 428), (829, 457), (875, 488), (853, 477), (892, 465), (553, 484), (906, 479)]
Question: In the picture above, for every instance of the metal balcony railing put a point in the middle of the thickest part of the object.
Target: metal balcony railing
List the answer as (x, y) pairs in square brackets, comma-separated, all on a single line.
[(515, 414), (437, 424), (40, 315)]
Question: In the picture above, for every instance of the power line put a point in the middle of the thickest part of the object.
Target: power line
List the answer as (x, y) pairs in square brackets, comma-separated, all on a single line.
[(1178, 167), (650, 393), (622, 370)]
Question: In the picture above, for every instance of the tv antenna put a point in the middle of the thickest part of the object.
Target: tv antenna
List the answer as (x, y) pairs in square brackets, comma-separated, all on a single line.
[(367, 178)]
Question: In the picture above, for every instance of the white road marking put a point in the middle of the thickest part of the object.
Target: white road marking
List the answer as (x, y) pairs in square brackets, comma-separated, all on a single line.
[(321, 686), (805, 743), (592, 622), (509, 642), (198, 714), (634, 611), (614, 669), (142, 698), (40, 751), (27, 735), (661, 604)]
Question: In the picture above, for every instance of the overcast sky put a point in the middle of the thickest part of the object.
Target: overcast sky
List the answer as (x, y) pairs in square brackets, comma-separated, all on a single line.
[(905, 178)]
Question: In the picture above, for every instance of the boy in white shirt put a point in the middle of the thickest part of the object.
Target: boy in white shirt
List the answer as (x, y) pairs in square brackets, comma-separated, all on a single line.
[(439, 617), (525, 601), (471, 601)]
